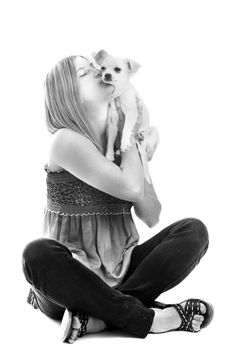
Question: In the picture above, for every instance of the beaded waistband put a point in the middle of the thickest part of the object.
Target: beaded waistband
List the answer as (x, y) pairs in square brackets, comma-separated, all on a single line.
[(109, 209), (69, 195)]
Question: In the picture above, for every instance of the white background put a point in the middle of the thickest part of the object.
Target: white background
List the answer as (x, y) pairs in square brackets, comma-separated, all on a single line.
[(185, 52)]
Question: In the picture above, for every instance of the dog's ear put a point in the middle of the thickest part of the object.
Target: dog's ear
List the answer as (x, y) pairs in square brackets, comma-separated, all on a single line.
[(132, 65), (99, 56)]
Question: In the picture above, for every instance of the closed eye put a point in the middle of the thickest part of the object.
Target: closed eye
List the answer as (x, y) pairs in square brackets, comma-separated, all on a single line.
[(82, 72)]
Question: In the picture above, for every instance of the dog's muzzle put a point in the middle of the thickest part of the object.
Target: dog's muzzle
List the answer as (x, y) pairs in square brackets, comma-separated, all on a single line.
[(108, 77)]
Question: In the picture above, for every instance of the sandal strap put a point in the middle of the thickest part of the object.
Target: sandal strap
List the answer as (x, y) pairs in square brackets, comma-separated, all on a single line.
[(31, 299), (83, 319), (192, 307)]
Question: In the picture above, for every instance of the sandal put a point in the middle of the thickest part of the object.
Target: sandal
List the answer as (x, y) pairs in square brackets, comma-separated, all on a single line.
[(187, 313), (66, 324), (31, 299)]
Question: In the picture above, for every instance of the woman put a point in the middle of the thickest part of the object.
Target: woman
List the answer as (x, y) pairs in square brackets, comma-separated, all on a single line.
[(90, 272)]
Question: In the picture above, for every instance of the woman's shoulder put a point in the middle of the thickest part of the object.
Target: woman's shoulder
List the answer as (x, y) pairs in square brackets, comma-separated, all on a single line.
[(65, 132), (59, 137)]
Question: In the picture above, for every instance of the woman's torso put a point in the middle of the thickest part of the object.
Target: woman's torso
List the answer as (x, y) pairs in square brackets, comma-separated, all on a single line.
[(97, 228)]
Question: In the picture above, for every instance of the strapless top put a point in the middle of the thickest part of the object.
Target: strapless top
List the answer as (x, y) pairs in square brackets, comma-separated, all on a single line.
[(97, 228)]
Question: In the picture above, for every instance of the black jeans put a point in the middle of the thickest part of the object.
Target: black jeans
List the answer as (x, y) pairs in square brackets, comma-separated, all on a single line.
[(59, 281)]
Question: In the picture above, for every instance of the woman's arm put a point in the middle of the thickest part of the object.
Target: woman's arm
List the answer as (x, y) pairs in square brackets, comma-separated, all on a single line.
[(148, 209), (78, 155)]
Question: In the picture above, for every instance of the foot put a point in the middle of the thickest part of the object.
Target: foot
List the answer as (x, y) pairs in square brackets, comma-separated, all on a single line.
[(168, 319), (94, 325)]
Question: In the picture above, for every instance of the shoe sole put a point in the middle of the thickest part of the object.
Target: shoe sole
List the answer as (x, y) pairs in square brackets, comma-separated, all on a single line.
[(208, 315), (66, 325)]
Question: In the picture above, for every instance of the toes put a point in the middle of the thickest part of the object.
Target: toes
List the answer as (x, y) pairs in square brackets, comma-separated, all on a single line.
[(196, 327), (70, 341), (203, 308), (74, 331), (198, 318), (76, 323), (195, 323), (73, 335)]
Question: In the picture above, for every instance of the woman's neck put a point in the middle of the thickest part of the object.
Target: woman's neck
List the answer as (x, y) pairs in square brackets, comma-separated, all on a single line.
[(97, 117)]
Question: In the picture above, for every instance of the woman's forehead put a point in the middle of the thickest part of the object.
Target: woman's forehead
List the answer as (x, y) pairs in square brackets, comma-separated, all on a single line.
[(81, 62)]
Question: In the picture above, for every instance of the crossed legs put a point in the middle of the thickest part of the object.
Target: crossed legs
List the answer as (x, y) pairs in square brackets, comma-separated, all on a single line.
[(165, 260), (60, 281)]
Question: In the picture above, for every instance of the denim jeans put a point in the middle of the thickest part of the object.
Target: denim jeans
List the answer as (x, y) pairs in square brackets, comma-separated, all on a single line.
[(59, 281)]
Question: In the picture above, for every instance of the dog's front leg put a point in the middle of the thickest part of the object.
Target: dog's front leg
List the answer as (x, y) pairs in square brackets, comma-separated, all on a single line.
[(131, 116), (127, 131), (145, 125), (111, 130)]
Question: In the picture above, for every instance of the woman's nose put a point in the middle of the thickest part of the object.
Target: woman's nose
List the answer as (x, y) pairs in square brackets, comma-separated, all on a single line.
[(96, 67), (98, 73)]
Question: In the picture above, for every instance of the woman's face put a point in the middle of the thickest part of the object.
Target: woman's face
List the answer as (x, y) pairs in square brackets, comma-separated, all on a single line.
[(91, 87)]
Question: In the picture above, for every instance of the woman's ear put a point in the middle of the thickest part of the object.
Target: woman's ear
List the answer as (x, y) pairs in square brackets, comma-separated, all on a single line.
[(99, 56), (132, 65)]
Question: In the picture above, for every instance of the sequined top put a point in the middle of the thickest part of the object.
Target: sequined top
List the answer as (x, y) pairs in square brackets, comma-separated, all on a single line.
[(97, 228)]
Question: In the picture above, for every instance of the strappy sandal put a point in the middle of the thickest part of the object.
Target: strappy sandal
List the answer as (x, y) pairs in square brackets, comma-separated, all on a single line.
[(192, 307), (66, 324), (31, 299)]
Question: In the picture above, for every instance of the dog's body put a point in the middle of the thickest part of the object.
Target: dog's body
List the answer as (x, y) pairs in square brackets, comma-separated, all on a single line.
[(131, 105), (117, 72)]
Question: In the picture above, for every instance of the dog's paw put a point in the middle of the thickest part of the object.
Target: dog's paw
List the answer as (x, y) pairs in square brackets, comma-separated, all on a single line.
[(110, 156), (141, 135), (125, 145)]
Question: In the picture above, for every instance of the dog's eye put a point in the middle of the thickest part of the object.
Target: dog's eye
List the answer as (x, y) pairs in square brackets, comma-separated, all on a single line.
[(117, 69), (103, 68)]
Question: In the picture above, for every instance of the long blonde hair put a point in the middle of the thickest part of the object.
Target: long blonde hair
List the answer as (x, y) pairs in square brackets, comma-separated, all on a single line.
[(63, 108)]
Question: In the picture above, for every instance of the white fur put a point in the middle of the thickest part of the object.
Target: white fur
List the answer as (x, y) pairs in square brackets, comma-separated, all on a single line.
[(127, 93)]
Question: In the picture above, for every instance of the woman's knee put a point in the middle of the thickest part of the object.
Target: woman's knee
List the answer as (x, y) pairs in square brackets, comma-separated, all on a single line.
[(40, 255), (34, 250), (41, 250), (199, 232), (31, 256)]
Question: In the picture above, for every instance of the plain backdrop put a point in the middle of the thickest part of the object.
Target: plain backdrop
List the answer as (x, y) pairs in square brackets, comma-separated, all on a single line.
[(185, 79)]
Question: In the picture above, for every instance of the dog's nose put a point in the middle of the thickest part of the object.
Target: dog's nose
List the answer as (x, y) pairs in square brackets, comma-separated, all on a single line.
[(108, 76)]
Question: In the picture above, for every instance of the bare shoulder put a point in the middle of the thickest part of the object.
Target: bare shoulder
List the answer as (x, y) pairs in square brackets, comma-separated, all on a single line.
[(59, 140), (68, 138), (64, 133)]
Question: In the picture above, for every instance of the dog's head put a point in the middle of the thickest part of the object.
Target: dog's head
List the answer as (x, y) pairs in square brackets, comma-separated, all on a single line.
[(115, 70)]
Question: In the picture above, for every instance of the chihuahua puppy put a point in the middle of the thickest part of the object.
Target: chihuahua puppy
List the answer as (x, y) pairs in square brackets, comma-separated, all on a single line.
[(117, 72)]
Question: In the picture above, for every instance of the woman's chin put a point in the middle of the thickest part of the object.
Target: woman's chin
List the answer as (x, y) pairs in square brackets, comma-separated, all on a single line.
[(109, 89)]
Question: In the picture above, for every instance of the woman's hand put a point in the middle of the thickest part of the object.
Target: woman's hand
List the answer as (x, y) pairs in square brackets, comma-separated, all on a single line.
[(149, 208)]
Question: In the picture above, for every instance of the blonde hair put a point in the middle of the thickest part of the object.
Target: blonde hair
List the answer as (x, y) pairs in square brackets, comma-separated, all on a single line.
[(63, 108)]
